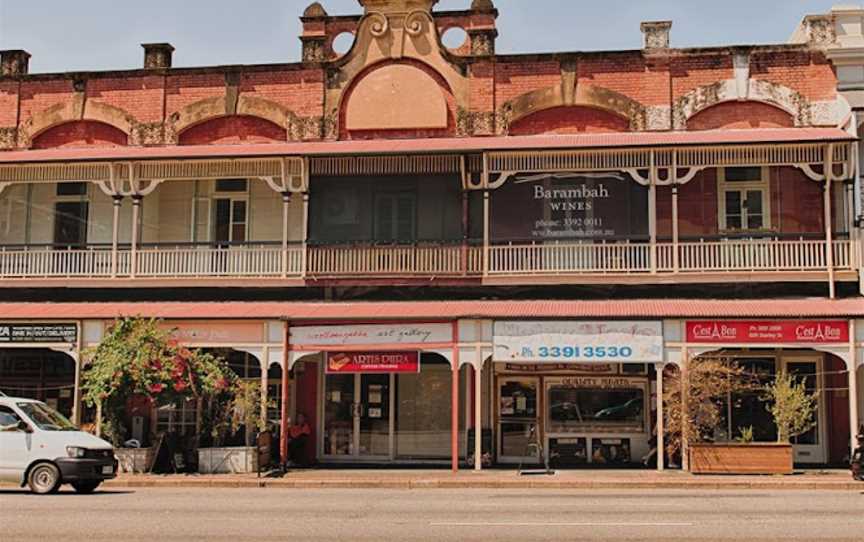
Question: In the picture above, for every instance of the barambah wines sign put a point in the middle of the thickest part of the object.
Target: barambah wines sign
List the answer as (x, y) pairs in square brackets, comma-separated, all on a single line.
[(577, 206), (38, 333)]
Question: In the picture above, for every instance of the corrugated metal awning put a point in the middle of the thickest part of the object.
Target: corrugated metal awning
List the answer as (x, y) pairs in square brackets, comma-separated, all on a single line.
[(445, 310)]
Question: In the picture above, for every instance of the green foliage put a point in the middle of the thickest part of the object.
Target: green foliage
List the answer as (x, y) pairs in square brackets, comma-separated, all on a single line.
[(230, 412), (792, 407), (139, 356)]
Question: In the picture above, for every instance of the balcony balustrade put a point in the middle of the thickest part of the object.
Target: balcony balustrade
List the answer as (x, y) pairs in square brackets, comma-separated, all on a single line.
[(434, 260)]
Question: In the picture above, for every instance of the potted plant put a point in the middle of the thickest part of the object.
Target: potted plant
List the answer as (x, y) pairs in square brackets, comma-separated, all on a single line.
[(140, 358), (694, 415), (793, 410), (235, 415)]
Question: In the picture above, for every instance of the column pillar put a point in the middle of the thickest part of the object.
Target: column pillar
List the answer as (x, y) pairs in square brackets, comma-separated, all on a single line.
[(661, 437), (136, 218), (304, 257), (675, 247), (486, 233), (454, 429), (685, 409), (478, 413), (265, 366), (826, 201), (283, 409), (466, 225), (652, 217), (286, 202), (115, 234), (853, 388)]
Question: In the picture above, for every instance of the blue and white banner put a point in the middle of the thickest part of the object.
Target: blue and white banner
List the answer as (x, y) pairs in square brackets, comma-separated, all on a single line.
[(578, 342)]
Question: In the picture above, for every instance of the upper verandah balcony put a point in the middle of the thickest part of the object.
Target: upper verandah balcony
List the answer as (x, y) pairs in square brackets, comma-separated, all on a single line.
[(551, 209)]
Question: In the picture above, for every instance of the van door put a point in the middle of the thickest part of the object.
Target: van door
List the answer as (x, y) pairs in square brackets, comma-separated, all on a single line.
[(15, 446)]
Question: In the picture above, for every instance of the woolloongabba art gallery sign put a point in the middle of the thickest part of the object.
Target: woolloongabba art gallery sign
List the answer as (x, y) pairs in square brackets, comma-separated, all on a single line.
[(576, 206)]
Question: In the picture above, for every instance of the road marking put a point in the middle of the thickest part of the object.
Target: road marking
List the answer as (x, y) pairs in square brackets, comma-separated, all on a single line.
[(557, 524)]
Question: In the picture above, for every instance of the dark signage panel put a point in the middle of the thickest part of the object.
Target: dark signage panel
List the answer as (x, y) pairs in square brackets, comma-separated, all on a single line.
[(38, 333)]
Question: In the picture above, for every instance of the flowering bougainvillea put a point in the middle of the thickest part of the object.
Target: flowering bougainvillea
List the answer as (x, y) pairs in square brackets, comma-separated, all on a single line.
[(142, 357)]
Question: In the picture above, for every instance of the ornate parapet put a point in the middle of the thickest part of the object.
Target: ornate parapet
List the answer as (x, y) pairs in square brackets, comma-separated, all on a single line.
[(8, 138)]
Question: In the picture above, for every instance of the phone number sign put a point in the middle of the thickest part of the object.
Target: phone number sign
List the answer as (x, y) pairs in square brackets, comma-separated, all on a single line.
[(38, 333), (578, 342)]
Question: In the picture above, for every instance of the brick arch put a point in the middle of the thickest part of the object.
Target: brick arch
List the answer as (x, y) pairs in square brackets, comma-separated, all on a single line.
[(233, 129), (75, 110), (80, 133), (400, 118), (590, 97), (219, 107), (768, 93), (570, 120), (750, 114)]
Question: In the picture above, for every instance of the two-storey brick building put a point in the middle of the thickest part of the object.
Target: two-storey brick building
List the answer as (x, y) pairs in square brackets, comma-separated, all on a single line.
[(407, 241)]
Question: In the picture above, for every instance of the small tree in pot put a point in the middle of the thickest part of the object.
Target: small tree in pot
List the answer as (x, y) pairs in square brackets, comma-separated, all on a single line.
[(239, 408), (792, 407)]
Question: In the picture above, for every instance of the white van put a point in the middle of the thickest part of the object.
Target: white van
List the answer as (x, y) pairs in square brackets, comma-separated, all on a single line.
[(39, 447)]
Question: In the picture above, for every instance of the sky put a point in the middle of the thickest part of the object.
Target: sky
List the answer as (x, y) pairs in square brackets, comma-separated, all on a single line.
[(81, 35)]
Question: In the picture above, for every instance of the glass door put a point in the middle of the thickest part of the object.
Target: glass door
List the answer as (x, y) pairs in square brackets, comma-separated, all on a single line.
[(374, 415), (358, 417), (518, 420), (339, 419), (809, 447)]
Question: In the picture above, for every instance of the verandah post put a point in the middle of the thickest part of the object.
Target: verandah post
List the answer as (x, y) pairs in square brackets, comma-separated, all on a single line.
[(853, 387), (286, 202), (454, 429), (661, 440), (115, 234), (283, 409), (826, 200)]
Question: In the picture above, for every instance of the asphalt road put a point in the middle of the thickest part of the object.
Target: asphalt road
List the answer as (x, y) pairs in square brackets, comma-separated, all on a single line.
[(376, 515)]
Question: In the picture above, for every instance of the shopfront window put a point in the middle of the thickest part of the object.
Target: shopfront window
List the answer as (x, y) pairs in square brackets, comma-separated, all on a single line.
[(179, 418), (423, 410), (595, 409)]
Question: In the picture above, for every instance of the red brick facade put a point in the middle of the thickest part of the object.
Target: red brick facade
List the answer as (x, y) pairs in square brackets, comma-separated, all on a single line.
[(514, 94)]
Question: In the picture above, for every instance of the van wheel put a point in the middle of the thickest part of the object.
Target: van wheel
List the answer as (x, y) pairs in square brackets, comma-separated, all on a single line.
[(86, 487), (43, 479)]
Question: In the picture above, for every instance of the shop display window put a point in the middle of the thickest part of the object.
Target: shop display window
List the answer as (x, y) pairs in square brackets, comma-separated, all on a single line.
[(179, 417), (582, 409)]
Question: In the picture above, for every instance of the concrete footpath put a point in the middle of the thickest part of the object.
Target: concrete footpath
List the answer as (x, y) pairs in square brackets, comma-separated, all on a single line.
[(837, 480)]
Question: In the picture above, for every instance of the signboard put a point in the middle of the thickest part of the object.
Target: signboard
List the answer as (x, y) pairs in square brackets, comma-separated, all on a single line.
[(372, 334), (372, 362), (578, 342), (38, 333), (768, 332), (569, 205)]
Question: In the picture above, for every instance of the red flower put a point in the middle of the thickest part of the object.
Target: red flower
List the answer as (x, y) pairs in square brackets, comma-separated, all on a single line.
[(180, 386), (157, 388)]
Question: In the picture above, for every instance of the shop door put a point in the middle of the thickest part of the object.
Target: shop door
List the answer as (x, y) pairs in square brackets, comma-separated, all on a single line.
[(358, 419), (518, 420), (810, 447)]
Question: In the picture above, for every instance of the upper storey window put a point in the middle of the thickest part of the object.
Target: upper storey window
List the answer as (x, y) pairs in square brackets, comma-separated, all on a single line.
[(744, 199)]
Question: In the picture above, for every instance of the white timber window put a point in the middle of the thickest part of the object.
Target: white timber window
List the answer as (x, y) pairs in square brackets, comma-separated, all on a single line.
[(744, 195)]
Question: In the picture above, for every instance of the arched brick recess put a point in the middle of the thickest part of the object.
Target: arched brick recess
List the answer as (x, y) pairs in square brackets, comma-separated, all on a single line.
[(406, 123), (741, 115), (569, 120), (585, 96), (233, 129), (75, 110), (787, 99), (81, 133)]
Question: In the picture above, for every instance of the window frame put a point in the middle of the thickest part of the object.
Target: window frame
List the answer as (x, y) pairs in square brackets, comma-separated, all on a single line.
[(83, 198), (233, 197), (763, 184)]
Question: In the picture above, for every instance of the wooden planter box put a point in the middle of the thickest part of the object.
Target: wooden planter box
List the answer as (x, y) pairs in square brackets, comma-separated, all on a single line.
[(756, 458), (233, 460), (134, 460)]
